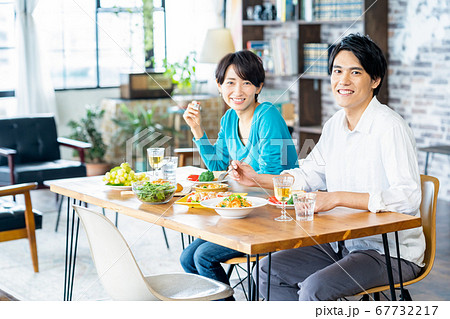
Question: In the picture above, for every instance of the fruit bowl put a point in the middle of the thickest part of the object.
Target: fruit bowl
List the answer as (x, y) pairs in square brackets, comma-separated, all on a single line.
[(156, 192)]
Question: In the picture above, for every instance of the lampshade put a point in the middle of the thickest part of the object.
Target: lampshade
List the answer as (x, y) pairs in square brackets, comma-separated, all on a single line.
[(218, 42)]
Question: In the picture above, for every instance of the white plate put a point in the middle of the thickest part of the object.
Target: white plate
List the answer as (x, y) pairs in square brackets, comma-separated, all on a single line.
[(233, 213), (291, 206), (118, 188)]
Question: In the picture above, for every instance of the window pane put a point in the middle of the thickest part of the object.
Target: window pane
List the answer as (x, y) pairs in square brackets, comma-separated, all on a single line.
[(159, 40), (8, 69), (7, 25), (120, 3), (121, 45)]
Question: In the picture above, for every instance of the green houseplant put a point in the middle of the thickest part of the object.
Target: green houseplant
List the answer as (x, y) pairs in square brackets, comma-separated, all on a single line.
[(85, 130), (131, 122), (183, 73)]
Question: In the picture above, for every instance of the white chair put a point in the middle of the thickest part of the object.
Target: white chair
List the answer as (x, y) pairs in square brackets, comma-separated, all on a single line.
[(122, 277)]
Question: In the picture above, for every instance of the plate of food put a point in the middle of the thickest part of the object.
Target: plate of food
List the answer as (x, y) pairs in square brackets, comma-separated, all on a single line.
[(194, 198), (275, 202), (234, 206), (211, 187), (206, 177), (121, 178)]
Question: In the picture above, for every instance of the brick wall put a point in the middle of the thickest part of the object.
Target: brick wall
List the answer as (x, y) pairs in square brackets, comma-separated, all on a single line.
[(419, 76)]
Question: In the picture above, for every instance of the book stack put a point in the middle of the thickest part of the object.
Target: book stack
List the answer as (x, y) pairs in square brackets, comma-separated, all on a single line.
[(316, 59), (284, 55), (325, 10)]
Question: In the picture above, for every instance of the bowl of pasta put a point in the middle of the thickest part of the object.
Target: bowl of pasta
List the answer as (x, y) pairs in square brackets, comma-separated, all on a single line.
[(234, 206)]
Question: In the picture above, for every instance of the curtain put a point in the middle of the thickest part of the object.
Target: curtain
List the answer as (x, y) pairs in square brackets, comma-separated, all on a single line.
[(34, 90)]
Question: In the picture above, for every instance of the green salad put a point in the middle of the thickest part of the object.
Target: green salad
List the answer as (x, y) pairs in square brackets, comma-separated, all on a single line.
[(154, 193)]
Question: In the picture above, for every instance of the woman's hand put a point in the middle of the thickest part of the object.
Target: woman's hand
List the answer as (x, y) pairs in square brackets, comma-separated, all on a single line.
[(193, 118), (243, 173)]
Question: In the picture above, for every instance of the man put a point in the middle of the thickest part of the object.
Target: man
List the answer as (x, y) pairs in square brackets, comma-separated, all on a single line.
[(365, 159)]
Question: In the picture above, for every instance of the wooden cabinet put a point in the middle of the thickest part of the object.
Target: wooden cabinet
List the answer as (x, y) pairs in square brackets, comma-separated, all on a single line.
[(309, 100)]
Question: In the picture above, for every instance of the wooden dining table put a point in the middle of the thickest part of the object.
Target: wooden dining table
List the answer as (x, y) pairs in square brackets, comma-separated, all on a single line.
[(254, 235)]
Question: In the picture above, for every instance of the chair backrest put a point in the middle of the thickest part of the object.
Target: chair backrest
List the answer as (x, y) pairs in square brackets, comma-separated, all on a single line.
[(430, 189), (34, 138), (118, 271)]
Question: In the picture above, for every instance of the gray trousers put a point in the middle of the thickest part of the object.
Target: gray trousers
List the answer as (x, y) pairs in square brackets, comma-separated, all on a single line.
[(318, 273)]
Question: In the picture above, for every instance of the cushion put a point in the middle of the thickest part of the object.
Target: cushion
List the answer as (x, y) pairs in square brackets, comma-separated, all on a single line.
[(40, 172), (12, 216), (34, 138)]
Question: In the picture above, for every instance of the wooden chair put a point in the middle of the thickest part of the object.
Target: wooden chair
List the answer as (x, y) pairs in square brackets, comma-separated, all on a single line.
[(235, 265), (187, 156), (17, 223), (430, 188)]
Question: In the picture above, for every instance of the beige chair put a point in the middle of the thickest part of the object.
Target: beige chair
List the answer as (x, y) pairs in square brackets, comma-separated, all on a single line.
[(430, 188), (122, 277)]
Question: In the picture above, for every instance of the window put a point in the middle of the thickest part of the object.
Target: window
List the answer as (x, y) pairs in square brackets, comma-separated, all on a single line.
[(87, 43), (7, 49)]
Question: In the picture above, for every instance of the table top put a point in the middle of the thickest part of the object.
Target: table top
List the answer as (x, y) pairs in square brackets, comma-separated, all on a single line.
[(256, 234), (442, 149)]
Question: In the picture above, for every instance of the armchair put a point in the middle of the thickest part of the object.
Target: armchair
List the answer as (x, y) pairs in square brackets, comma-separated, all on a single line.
[(29, 151), (18, 222)]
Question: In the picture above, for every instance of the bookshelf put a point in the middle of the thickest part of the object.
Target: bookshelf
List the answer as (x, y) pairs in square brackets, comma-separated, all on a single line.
[(309, 99)]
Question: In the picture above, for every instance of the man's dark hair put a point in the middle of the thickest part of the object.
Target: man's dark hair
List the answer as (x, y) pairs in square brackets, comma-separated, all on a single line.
[(248, 66), (368, 53)]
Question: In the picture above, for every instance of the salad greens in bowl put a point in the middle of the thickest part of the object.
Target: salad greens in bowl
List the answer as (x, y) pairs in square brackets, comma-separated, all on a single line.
[(155, 192)]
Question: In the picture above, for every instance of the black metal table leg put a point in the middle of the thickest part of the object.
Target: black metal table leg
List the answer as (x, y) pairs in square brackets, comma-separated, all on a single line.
[(268, 275), (397, 246), (426, 163), (389, 266), (249, 278), (257, 278)]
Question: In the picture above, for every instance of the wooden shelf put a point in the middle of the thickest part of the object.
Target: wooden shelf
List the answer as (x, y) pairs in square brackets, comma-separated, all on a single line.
[(309, 99), (316, 129)]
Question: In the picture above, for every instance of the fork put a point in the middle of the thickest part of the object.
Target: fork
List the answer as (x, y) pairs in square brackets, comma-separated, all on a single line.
[(224, 174)]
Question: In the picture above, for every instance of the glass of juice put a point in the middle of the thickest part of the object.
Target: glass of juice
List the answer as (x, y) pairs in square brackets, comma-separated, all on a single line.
[(283, 189), (155, 159)]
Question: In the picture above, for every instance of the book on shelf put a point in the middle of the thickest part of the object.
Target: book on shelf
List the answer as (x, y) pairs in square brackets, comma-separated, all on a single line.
[(330, 10), (316, 57), (262, 49), (286, 10)]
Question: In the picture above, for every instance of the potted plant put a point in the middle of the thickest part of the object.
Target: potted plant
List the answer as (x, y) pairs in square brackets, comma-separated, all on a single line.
[(183, 74), (85, 130), (131, 122)]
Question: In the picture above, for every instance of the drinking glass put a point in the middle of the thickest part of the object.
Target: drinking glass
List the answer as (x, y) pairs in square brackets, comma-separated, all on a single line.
[(155, 159), (283, 189), (169, 168), (304, 204)]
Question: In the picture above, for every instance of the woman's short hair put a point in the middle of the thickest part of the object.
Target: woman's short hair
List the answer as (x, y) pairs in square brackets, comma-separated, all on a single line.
[(368, 53), (248, 66)]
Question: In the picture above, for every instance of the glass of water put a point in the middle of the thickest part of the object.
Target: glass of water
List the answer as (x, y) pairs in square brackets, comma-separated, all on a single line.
[(304, 204), (169, 168)]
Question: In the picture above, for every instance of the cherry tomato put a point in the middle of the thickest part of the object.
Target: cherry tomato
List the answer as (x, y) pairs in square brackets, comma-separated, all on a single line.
[(193, 178)]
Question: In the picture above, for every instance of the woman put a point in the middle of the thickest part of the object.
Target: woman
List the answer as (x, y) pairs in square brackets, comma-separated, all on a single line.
[(365, 159), (250, 131)]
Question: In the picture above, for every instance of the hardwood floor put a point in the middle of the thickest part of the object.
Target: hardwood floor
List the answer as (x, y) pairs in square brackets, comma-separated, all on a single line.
[(6, 297), (434, 287)]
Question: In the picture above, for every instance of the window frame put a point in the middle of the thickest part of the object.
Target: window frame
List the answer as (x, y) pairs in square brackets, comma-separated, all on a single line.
[(98, 10)]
